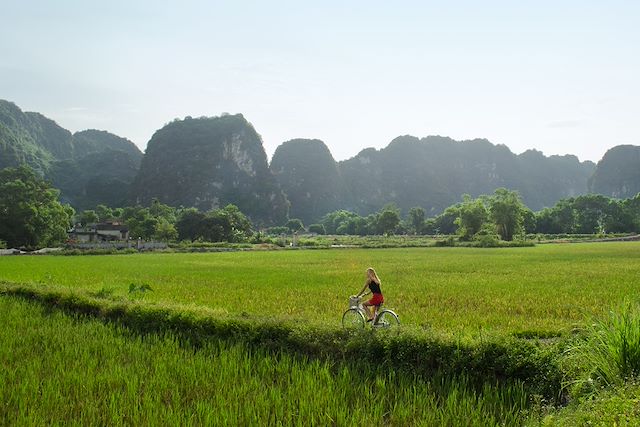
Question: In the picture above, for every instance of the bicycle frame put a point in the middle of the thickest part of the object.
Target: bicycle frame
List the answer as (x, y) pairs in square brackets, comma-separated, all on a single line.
[(355, 303)]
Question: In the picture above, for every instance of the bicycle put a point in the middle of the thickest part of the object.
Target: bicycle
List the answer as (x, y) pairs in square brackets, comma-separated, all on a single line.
[(356, 317)]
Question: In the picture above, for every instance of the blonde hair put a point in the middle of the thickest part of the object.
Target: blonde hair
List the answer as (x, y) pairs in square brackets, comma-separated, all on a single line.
[(372, 273)]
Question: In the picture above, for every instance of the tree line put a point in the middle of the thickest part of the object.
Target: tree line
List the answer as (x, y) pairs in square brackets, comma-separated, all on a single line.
[(502, 214), (31, 216), (162, 222)]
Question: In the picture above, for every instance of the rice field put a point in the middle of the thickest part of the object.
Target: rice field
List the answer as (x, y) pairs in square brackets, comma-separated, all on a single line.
[(546, 290), (60, 369), (68, 369)]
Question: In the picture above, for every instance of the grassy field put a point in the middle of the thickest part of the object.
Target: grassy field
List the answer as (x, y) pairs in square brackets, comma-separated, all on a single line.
[(59, 369), (537, 291)]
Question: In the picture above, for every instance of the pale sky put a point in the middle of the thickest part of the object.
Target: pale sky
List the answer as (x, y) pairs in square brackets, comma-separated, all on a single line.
[(559, 76)]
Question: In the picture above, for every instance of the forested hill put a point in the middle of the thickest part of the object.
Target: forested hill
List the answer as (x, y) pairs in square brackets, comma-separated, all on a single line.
[(434, 172), (207, 163), (89, 167), (31, 138), (212, 161), (309, 176), (618, 173), (94, 141)]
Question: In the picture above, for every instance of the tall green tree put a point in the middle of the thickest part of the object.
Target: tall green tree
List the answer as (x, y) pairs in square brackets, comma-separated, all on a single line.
[(557, 220), (160, 210), (117, 213), (472, 215), (588, 214), (237, 226), (190, 224), (529, 221), (142, 225), (30, 214), (592, 212), (333, 220), (347, 227), (506, 211), (228, 224), (631, 208), (104, 213), (617, 219), (445, 222), (416, 220), (364, 226), (87, 217), (165, 231), (596, 213), (388, 219)]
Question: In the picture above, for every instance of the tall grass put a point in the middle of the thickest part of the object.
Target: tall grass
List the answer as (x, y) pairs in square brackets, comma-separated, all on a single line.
[(603, 372), (608, 354), (610, 407), (60, 369)]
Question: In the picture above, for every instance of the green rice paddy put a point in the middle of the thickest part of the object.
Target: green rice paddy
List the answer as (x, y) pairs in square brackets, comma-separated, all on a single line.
[(62, 368), (542, 291)]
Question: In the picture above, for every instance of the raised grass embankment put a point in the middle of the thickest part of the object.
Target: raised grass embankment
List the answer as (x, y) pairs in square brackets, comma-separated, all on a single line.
[(70, 369), (500, 360)]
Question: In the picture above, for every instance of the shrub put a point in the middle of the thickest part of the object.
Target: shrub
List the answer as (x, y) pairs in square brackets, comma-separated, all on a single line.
[(317, 228), (487, 237), (449, 241), (294, 225), (276, 231), (308, 243), (109, 251)]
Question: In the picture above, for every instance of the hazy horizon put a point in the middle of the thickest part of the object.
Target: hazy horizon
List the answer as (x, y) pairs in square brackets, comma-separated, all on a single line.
[(558, 78)]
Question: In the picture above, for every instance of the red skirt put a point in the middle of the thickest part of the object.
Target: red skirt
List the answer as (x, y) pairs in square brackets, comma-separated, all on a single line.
[(376, 300)]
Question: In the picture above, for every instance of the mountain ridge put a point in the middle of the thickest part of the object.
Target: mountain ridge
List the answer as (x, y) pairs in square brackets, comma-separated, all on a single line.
[(225, 161), (86, 166)]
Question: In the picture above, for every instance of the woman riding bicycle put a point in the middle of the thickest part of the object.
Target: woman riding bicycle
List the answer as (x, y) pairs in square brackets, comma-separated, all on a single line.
[(373, 283)]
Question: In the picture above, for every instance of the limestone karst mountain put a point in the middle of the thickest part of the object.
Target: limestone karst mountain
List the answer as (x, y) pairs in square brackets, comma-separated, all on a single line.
[(89, 167), (434, 172), (309, 176), (207, 163), (212, 161), (618, 173)]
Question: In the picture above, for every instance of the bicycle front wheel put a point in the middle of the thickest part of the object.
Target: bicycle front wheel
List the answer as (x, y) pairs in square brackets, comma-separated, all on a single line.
[(387, 319), (353, 319)]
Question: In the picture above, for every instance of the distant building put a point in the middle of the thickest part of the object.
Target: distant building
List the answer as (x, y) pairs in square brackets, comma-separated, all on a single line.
[(101, 232)]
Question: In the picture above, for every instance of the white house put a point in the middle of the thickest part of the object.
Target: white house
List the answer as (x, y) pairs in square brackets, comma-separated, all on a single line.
[(102, 232)]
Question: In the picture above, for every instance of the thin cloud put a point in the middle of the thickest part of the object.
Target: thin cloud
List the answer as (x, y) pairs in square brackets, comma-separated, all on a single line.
[(75, 109), (566, 124)]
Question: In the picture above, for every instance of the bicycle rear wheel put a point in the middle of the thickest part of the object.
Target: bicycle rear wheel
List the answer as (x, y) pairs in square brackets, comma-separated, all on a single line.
[(387, 319), (353, 319)]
